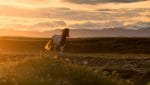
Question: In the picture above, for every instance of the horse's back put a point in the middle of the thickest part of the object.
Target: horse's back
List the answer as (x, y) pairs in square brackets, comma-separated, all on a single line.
[(56, 39)]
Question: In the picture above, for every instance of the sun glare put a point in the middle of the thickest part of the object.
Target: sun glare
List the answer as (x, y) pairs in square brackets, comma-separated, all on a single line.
[(55, 0)]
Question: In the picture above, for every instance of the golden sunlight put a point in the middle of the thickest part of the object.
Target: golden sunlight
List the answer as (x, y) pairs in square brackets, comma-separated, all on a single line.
[(74, 42)]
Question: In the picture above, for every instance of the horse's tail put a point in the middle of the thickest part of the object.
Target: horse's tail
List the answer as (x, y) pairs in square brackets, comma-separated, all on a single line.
[(48, 45)]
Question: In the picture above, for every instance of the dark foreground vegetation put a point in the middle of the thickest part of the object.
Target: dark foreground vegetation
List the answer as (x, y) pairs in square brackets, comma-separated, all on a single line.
[(36, 70)]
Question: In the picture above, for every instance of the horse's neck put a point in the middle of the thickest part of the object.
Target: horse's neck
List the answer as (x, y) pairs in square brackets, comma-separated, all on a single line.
[(63, 36)]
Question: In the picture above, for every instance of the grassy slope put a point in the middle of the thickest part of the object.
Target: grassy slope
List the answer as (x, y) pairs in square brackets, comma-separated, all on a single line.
[(49, 71)]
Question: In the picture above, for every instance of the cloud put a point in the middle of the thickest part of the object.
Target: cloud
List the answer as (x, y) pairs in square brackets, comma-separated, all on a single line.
[(70, 14), (38, 18), (43, 25), (48, 24), (98, 25), (33, 1), (100, 1), (51, 13), (86, 25), (126, 13)]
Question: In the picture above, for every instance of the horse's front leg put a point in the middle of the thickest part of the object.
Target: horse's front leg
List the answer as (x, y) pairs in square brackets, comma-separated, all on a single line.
[(55, 48), (62, 48)]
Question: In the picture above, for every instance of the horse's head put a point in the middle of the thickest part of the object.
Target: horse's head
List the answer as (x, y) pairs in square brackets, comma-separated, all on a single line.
[(66, 32)]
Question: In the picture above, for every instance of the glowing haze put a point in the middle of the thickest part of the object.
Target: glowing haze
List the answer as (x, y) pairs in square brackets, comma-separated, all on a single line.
[(41, 15)]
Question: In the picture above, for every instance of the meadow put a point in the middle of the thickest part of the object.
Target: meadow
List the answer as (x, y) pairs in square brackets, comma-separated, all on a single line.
[(86, 61), (78, 45)]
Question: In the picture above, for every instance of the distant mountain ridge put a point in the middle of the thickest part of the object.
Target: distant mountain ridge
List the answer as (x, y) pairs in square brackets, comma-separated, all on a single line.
[(110, 32)]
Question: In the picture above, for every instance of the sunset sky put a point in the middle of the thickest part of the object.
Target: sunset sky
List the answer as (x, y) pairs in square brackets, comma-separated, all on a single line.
[(44, 15)]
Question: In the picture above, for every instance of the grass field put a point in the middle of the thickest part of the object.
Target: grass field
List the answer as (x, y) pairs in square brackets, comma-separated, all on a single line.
[(79, 45), (88, 61)]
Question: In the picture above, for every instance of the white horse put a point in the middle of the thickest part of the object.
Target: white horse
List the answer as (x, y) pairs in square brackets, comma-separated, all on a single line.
[(58, 42)]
